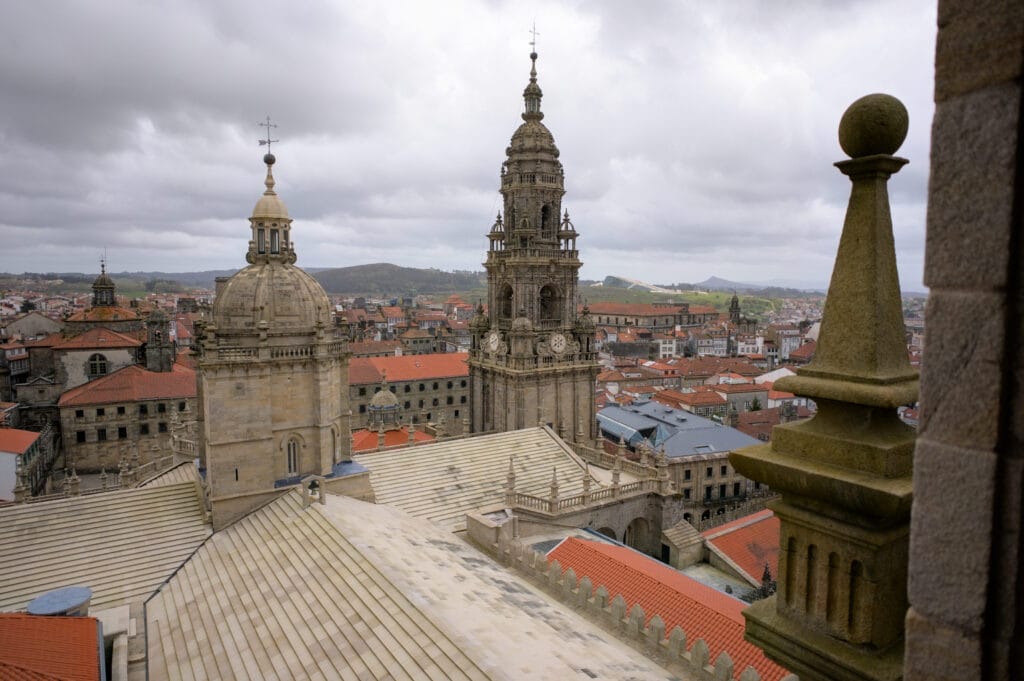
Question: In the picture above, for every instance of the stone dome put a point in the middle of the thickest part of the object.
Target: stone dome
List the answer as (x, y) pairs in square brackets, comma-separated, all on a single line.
[(384, 399), (278, 293)]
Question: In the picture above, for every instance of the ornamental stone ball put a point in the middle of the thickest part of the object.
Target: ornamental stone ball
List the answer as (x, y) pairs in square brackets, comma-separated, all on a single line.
[(269, 159), (874, 124)]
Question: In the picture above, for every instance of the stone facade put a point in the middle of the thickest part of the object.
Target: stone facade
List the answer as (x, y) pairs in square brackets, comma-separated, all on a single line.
[(273, 380), (97, 437), (533, 358)]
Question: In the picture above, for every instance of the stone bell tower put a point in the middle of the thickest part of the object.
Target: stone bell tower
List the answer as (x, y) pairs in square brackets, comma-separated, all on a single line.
[(532, 357)]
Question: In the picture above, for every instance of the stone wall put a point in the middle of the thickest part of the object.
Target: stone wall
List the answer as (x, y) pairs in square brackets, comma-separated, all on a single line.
[(966, 584)]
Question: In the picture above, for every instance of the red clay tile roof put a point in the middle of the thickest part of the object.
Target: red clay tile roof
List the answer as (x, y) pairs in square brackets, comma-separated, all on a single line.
[(134, 384), (408, 367), (749, 542), (702, 309), (98, 338), (104, 314), (730, 388), (804, 352), (16, 441), (698, 610), (635, 309), (34, 647), (365, 440)]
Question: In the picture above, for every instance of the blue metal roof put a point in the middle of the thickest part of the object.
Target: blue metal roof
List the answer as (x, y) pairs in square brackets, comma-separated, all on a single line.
[(679, 432)]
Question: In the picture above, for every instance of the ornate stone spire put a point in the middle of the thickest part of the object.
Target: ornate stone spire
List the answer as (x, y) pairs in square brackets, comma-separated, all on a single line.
[(532, 94), (270, 224), (845, 475)]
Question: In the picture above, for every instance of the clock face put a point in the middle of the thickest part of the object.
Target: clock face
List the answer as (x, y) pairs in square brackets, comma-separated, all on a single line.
[(558, 343), (493, 341)]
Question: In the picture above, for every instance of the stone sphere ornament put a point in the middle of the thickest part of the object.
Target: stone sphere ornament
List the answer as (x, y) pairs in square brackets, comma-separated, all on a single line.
[(874, 124)]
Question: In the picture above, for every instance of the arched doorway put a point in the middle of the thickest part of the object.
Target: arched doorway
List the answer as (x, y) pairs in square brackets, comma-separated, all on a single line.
[(636, 534)]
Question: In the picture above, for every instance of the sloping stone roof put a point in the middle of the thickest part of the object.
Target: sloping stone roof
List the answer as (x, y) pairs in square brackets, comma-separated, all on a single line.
[(444, 480), (121, 544)]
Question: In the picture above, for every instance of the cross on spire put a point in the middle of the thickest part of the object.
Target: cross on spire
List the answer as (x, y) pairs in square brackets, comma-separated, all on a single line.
[(533, 37), (268, 125)]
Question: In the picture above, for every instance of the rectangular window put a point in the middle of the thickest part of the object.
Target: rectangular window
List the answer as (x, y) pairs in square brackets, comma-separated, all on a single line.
[(462, 400), (721, 491), (687, 474), (450, 400), (143, 429), (725, 470), (181, 406), (101, 434), (120, 411), (161, 427), (362, 408), (735, 489), (456, 413), (161, 408), (79, 436), (122, 432), (261, 244), (79, 413), (143, 409), (101, 412), (686, 493), (362, 391), (710, 473), (275, 241), (707, 492)]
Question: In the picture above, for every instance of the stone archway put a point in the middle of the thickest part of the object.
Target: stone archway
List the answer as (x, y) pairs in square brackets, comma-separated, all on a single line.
[(608, 532), (637, 534)]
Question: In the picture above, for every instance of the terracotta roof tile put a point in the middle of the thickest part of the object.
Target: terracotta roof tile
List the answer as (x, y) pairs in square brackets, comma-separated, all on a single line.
[(698, 610), (409, 367), (34, 647), (749, 542), (16, 441), (365, 440), (134, 384), (98, 338), (104, 314)]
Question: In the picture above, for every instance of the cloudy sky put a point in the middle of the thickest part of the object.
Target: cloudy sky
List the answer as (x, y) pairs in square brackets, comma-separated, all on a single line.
[(697, 137)]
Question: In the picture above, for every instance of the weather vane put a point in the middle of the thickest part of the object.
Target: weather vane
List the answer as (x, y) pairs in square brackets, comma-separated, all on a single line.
[(268, 125), (534, 34)]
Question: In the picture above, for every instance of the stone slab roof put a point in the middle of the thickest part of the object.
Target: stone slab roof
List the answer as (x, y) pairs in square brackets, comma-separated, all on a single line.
[(121, 544), (442, 481), (183, 472), (353, 590)]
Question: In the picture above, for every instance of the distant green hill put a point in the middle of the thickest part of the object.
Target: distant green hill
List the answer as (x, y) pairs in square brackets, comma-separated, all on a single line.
[(388, 279)]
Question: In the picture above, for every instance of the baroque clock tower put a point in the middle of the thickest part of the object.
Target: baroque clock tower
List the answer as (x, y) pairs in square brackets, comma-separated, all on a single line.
[(532, 358)]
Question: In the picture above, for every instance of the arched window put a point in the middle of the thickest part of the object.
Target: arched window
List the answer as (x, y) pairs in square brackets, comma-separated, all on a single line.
[(275, 241), (97, 365), (547, 227), (549, 303), (505, 302), (293, 456)]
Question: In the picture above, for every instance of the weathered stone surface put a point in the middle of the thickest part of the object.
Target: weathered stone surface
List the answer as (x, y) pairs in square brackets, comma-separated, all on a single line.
[(970, 204), (952, 494), (979, 44), (965, 341), (935, 651), (874, 124)]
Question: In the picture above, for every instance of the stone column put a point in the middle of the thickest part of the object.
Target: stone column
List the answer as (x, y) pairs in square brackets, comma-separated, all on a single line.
[(845, 475)]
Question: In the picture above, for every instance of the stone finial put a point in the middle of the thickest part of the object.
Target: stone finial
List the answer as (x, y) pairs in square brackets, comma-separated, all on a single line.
[(412, 432), (380, 436), (74, 483), (103, 477), (845, 474)]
